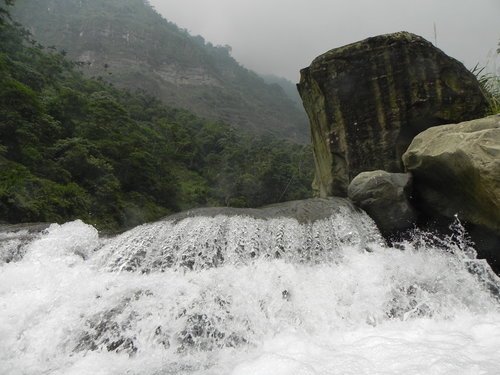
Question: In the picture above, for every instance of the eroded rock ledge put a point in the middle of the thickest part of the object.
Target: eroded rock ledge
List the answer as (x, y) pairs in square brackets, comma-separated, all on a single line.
[(304, 211)]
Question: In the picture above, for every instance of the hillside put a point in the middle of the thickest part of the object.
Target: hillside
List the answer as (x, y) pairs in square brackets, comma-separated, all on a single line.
[(73, 147), (130, 45), (288, 87)]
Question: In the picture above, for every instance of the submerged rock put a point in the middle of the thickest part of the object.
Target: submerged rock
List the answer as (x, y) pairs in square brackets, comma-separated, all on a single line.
[(304, 211), (385, 197), (456, 169), (16, 238), (367, 100), (307, 231)]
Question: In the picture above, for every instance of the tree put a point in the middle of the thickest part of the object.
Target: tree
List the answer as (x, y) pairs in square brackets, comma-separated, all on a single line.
[(72, 147), (4, 14)]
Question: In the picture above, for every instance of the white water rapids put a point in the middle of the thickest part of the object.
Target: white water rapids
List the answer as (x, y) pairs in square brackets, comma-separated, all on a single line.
[(245, 296)]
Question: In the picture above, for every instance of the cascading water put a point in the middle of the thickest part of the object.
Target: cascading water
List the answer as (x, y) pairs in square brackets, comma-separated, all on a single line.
[(245, 295)]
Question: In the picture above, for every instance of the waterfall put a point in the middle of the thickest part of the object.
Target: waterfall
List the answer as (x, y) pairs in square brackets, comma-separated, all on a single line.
[(245, 294)]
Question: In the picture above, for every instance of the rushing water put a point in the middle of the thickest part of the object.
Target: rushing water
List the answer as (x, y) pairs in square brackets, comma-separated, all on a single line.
[(240, 295)]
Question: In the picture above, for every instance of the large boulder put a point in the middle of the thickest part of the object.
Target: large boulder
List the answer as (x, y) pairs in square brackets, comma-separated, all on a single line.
[(456, 170), (386, 198), (367, 100)]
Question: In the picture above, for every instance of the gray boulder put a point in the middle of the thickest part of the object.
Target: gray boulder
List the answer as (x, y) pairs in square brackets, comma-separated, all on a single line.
[(367, 100), (385, 197), (456, 170)]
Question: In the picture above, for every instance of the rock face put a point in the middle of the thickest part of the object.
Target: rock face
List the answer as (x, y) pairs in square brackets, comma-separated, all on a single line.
[(385, 197), (366, 101), (456, 170)]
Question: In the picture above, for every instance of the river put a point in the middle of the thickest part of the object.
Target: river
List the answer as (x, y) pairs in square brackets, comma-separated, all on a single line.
[(245, 296)]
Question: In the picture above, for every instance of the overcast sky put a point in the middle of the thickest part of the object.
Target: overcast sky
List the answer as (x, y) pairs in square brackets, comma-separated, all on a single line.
[(282, 36)]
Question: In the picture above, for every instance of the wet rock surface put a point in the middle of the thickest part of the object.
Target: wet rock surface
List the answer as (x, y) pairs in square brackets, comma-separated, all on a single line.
[(385, 197), (456, 171), (304, 211), (14, 239)]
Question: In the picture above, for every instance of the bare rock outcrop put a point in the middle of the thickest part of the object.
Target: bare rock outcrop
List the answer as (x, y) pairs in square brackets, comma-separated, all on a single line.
[(367, 100)]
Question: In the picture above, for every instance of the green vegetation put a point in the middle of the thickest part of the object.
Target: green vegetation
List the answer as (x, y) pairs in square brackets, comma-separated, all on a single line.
[(132, 46), (288, 87), (490, 85), (72, 147)]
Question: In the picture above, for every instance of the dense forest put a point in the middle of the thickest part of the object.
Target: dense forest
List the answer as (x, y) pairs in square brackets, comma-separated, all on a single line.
[(132, 46), (74, 147)]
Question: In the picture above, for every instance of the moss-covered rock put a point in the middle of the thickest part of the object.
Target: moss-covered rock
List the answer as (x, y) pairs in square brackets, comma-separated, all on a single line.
[(367, 100), (456, 170)]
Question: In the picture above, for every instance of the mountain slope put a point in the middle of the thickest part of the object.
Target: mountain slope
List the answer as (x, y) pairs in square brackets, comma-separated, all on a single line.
[(288, 87), (72, 147), (129, 44)]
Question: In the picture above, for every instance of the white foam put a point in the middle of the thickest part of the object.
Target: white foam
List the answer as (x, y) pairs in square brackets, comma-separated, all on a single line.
[(467, 344), (387, 311)]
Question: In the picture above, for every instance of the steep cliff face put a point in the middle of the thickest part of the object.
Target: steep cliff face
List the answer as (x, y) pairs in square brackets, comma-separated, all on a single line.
[(367, 100), (130, 45)]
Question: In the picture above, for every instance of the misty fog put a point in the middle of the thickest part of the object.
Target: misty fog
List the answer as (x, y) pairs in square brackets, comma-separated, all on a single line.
[(281, 36)]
